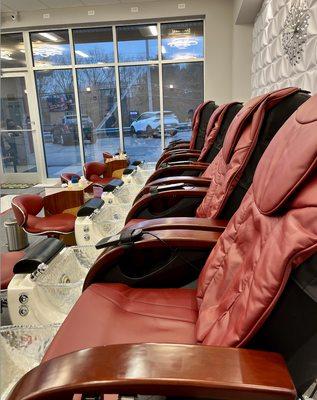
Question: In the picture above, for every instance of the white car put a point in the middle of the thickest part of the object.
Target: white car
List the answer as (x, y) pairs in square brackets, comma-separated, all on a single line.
[(148, 124)]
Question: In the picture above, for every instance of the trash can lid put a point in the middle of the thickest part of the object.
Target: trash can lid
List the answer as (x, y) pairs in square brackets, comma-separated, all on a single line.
[(10, 222)]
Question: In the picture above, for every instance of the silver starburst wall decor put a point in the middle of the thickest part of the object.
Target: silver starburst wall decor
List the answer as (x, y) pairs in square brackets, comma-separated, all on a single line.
[(295, 31)]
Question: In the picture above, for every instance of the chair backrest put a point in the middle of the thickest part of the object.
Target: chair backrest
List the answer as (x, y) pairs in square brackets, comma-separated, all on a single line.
[(199, 125), (94, 168), (28, 204), (273, 120), (272, 236), (244, 138), (218, 125)]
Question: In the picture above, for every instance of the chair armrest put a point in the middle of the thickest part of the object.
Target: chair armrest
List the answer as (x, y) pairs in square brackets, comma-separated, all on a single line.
[(144, 207), (178, 145), (155, 247), (183, 156), (188, 180), (206, 224), (186, 162), (192, 371), (170, 153), (178, 170)]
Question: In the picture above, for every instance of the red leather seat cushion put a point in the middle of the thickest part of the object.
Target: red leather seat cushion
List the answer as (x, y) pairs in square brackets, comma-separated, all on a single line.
[(114, 313), (134, 221), (63, 223), (8, 261)]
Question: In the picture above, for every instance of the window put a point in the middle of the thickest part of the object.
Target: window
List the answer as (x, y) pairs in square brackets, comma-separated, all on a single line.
[(183, 40), (181, 81), (58, 121), (140, 103), (137, 43), (12, 51), (158, 91), (50, 48), (17, 150), (93, 46), (99, 111)]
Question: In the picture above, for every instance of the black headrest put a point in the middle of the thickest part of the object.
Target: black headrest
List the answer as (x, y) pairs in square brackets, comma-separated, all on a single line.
[(89, 207), (112, 185), (42, 252)]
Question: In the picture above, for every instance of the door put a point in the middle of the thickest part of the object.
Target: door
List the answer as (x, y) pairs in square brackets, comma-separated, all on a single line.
[(18, 155)]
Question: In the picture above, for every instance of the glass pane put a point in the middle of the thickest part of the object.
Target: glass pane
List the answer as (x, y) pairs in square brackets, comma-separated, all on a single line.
[(12, 51), (137, 43), (182, 40), (93, 46), (141, 111), (17, 150), (183, 86), (58, 121), (50, 48), (99, 111)]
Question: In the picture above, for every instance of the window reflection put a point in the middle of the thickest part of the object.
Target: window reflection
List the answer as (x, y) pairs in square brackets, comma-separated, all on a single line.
[(139, 86), (183, 40), (58, 121), (50, 48), (182, 81), (99, 111), (12, 51), (93, 45), (17, 149), (137, 43)]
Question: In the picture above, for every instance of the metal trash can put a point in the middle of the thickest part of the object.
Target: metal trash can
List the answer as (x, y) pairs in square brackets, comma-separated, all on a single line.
[(17, 238)]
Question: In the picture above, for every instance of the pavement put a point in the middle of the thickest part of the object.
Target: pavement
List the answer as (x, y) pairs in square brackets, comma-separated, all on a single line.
[(67, 158)]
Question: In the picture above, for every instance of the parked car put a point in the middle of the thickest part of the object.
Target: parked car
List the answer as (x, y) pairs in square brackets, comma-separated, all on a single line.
[(65, 133), (148, 124)]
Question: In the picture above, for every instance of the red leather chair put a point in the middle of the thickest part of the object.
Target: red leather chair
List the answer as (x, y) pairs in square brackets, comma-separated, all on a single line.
[(231, 171), (253, 108), (199, 129), (257, 289), (27, 207), (96, 172), (218, 124), (67, 176)]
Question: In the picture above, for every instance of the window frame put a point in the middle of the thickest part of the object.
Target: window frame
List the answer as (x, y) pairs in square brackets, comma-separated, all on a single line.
[(31, 69)]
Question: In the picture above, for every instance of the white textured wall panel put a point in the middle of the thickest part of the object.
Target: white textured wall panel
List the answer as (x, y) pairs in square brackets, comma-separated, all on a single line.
[(271, 68)]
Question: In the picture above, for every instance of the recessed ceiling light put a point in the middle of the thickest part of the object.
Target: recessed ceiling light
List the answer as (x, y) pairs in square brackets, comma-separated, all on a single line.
[(50, 36), (153, 30), (81, 54)]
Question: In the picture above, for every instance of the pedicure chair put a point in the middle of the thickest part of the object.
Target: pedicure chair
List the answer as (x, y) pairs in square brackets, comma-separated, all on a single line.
[(220, 339), (216, 200)]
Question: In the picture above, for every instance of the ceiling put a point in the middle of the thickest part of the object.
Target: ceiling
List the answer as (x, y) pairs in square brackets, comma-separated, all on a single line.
[(36, 5)]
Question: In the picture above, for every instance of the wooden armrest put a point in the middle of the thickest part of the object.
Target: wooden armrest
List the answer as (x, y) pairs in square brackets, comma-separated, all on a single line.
[(160, 369), (215, 225), (176, 170), (146, 200), (183, 156), (189, 180)]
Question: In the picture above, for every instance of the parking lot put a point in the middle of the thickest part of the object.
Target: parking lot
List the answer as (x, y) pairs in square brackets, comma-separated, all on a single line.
[(67, 158)]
